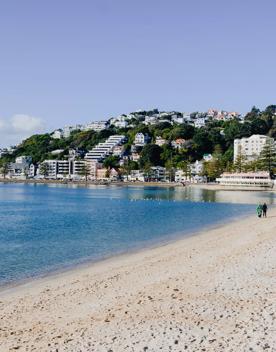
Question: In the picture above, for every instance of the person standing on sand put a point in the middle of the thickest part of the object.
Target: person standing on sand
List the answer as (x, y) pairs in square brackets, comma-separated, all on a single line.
[(264, 210), (259, 210)]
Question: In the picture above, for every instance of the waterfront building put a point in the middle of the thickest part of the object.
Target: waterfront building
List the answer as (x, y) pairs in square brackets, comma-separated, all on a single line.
[(77, 167), (250, 147), (196, 167), (157, 173), (32, 171), (136, 175), (18, 170), (246, 180)]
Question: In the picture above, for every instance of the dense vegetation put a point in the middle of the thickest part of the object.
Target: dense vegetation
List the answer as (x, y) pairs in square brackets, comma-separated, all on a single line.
[(216, 137)]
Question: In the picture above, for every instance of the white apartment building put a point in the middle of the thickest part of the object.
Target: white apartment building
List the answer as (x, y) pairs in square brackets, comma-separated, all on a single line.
[(63, 168), (77, 167), (250, 147), (103, 150)]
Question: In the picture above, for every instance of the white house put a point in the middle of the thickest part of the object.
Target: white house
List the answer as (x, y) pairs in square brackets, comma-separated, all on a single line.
[(57, 134), (136, 175), (121, 124), (160, 141), (24, 159), (200, 122), (141, 139), (178, 119), (150, 120), (135, 156), (197, 167), (207, 157), (96, 126), (178, 143)]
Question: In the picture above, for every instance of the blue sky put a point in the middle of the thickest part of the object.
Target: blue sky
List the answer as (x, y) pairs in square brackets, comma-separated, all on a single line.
[(68, 61)]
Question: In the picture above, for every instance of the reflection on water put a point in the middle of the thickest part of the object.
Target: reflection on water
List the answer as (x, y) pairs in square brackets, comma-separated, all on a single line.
[(197, 194), (22, 192), (47, 227)]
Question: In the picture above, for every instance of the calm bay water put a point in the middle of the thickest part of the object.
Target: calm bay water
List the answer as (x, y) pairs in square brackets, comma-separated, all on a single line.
[(49, 227)]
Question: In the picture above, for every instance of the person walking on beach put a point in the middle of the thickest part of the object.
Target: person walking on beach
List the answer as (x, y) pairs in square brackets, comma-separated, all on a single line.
[(264, 210), (259, 210)]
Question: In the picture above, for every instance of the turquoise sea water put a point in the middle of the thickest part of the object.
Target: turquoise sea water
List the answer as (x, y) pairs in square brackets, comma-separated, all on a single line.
[(49, 227)]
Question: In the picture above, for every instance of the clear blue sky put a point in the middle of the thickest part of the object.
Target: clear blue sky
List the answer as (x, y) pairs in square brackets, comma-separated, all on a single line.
[(71, 61)]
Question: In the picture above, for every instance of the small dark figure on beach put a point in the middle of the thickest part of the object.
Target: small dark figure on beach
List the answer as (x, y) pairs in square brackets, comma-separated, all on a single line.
[(264, 210), (259, 210)]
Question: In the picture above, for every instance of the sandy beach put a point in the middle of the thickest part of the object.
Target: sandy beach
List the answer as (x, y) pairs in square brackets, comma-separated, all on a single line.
[(215, 291)]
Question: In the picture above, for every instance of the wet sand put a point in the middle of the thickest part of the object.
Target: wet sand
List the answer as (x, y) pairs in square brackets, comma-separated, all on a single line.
[(212, 292)]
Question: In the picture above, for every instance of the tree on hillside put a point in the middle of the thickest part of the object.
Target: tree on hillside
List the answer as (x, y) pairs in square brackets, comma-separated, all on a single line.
[(231, 131), (184, 131), (4, 169), (111, 161), (44, 170), (150, 155), (215, 167), (202, 142), (185, 166), (147, 171), (268, 157), (254, 113), (128, 166), (240, 162), (272, 132), (270, 109), (85, 171), (259, 126), (170, 168)]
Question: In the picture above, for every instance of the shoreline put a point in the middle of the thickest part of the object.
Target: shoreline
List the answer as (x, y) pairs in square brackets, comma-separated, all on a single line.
[(155, 297), (90, 263), (205, 186), (93, 183)]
